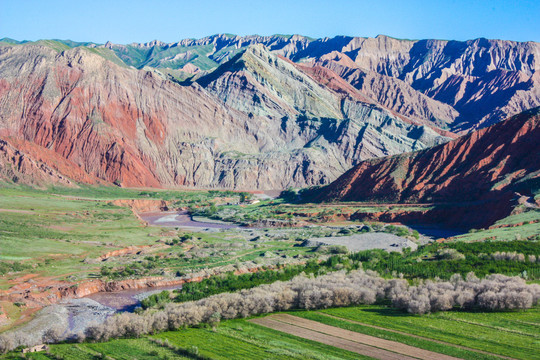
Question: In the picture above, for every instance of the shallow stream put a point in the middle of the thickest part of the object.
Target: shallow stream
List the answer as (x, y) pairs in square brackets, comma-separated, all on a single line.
[(181, 219)]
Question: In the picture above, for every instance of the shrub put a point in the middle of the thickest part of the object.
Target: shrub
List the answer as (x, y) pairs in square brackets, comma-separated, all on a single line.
[(510, 256), (449, 254), (156, 299), (495, 292)]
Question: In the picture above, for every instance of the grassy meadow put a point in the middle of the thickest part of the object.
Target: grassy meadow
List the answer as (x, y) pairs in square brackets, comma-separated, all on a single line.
[(512, 333)]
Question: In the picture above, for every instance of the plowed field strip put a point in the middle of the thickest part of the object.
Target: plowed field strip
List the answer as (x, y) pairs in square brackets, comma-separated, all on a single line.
[(330, 340), (380, 346)]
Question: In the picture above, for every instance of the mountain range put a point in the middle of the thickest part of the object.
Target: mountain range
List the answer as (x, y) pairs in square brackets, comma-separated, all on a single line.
[(254, 112)]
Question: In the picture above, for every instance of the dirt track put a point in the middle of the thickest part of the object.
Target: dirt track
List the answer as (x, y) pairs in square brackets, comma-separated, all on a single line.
[(348, 340)]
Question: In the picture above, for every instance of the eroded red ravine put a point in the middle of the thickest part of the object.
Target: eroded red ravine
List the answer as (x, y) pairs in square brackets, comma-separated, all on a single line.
[(36, 292)]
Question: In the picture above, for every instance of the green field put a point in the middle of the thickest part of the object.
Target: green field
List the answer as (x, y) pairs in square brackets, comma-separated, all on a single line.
[(513, 333), (234, 339), (467, 335), (125, 349), (54, 234), (60, 232)]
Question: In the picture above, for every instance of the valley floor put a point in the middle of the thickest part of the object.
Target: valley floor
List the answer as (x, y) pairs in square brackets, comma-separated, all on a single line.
[(61, 243)]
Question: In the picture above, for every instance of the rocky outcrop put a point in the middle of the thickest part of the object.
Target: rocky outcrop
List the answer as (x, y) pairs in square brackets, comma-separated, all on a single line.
[(95, 286), (28, 163), (130, 250), (483, 170), (143, 205)]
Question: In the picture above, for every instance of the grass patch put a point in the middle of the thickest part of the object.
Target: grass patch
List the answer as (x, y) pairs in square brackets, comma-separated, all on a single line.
[(388, 335), (123, 349)]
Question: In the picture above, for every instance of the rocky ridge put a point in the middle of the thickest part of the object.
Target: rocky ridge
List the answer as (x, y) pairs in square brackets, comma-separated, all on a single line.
[(264, 112), (462, 84), (137, 128)]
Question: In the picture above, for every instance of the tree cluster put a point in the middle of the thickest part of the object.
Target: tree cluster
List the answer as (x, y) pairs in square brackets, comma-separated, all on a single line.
[(495, 292)]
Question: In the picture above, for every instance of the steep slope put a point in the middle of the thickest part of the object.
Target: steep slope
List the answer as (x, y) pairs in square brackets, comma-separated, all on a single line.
[(335, 120), (485, 81), (257, 80), (390, 92), (18, 167), (484, 168), (135, 128), (122, 125), (499, 158)]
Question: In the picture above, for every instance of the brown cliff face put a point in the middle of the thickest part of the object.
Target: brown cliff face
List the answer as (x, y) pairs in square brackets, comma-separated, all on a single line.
[(23, 167), (488, 165), (143, 205), (27, 163)]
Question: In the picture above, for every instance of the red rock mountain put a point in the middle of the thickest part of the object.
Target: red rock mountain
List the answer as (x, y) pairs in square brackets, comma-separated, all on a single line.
[(245, 130), (486, 168), (254, 112)]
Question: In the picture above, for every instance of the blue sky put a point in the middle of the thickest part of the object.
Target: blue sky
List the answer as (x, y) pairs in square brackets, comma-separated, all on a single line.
[(169, 21)]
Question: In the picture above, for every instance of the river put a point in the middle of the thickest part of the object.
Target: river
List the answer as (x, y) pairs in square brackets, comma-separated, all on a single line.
[(127, 300), (181, 219)]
